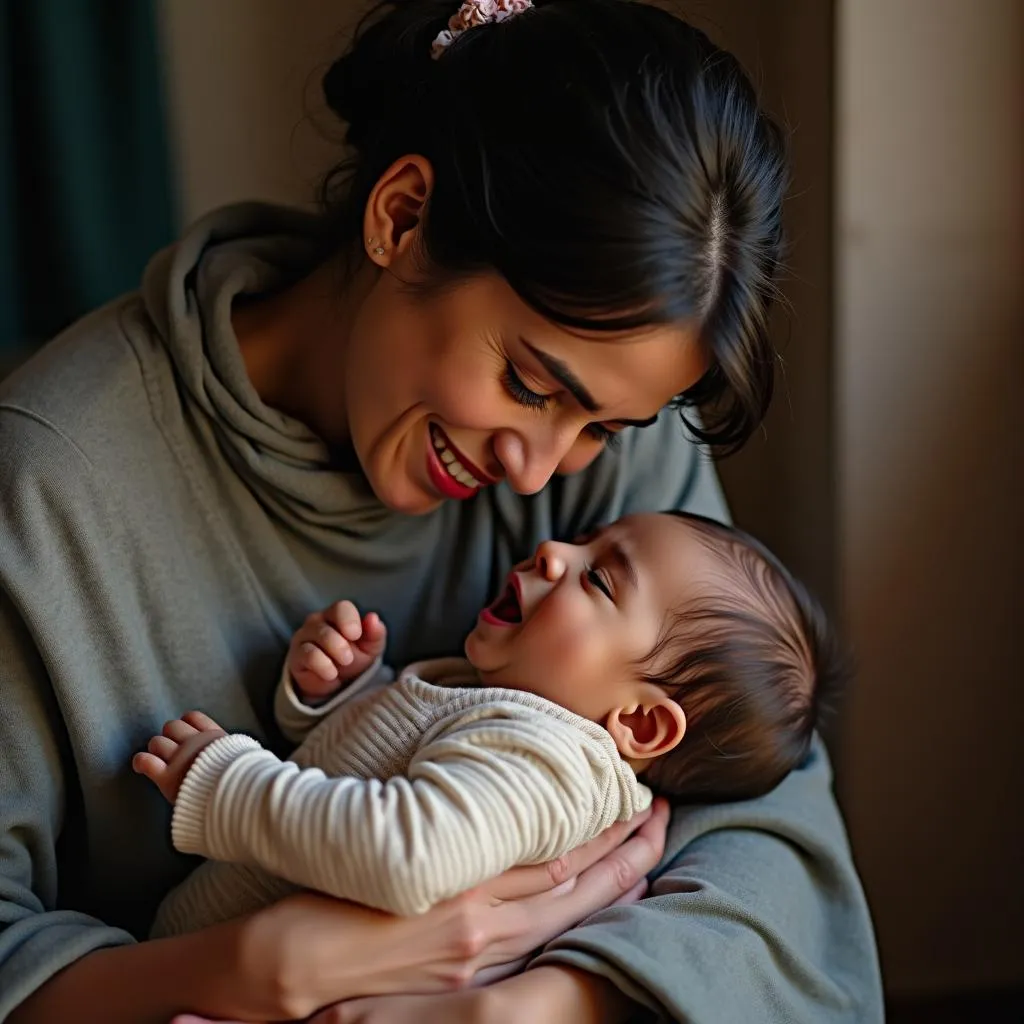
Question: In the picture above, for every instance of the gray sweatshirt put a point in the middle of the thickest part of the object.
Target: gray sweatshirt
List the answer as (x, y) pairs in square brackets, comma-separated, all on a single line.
[(162, 534)]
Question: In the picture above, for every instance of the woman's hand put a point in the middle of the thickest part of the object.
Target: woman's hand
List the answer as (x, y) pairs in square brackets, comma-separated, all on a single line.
[(545, 995), (315, 951), (451, 1008), (469, 1007)]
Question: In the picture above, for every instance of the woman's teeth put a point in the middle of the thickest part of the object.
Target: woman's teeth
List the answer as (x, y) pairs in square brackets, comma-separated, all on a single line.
[(452, 464)]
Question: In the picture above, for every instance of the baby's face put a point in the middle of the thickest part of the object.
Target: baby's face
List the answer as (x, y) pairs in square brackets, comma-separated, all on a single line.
[(574, 623)]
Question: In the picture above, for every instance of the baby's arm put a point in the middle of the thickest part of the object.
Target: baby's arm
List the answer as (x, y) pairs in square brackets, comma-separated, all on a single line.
[(492, 789), (335, 655)]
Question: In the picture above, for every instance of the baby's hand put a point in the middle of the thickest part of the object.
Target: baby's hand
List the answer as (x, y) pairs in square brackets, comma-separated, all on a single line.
[(169, 756), (333, 647)]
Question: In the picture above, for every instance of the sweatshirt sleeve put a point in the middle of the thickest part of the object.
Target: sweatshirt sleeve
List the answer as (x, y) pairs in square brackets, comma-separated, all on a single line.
[(756, 914), (36, 938), (492, 789)]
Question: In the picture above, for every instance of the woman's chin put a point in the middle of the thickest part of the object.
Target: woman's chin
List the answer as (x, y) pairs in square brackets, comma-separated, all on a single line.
[(421, 507), (407, 498)]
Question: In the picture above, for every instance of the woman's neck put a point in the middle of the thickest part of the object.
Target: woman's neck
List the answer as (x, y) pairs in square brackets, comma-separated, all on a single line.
[(293, 343)]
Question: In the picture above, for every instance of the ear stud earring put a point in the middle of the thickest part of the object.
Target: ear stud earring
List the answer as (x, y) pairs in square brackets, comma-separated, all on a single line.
[(379, 250)]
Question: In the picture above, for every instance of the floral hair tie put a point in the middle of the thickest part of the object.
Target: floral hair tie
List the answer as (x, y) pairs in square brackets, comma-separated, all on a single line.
[(473, 13)]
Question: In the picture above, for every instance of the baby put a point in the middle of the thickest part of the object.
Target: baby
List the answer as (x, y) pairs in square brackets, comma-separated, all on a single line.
[(664, 647)]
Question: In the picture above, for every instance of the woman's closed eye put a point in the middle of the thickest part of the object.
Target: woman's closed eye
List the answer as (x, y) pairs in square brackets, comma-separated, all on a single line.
[(609, 438), (519, 391), (530, 399)]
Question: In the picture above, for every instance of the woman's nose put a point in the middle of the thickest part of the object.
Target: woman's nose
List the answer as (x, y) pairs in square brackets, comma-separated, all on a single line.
[(529, 466)]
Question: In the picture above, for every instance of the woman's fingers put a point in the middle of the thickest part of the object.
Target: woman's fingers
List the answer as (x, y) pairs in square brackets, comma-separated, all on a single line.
[(617, 878), (638, 892), (622, 870), (520, 883)]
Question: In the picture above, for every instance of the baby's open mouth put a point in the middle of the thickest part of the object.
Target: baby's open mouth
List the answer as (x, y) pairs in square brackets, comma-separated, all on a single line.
[(507, 607)]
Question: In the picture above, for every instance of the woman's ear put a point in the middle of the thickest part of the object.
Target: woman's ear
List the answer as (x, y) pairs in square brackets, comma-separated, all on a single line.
[(648, 729), (395, 209)]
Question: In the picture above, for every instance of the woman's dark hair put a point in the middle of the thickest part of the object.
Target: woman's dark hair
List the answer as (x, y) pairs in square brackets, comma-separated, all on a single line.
[(603, 156), (751, 666)]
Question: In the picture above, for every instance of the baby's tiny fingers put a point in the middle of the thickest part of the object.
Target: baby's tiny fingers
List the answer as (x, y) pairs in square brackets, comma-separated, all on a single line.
[(148, 765), (374, 629), (334, 645), (317, 661), (162, 747), (179, 730), (346, 617), (204, 723)]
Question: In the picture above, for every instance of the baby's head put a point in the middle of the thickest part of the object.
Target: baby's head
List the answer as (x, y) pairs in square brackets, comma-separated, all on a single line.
[(687, 640)]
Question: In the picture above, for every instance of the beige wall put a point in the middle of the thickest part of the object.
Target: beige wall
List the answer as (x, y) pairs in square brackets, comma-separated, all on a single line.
[(243, 84), (930, 368)]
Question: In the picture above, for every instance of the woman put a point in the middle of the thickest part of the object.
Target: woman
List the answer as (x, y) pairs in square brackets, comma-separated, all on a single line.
[(560, 219)]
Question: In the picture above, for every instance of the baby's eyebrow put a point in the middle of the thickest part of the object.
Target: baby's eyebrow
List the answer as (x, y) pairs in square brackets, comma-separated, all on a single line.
[(621, 557)]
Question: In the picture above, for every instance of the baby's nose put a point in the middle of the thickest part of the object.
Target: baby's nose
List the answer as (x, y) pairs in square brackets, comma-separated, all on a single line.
[(548, 562)]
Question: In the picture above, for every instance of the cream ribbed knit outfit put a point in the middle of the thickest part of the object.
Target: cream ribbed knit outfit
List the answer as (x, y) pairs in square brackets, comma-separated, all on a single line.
[(400, 799)]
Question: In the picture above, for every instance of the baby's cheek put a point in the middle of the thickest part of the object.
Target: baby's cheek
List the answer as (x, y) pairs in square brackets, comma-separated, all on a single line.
[(568, 657)]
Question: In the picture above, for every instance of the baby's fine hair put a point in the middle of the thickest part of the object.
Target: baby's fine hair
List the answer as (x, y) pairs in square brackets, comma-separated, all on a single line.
[(750, 665), (602, 156)]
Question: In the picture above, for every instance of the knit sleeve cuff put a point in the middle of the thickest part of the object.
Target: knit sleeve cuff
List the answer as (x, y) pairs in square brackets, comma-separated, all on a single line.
[(188, 823), (296, 718)]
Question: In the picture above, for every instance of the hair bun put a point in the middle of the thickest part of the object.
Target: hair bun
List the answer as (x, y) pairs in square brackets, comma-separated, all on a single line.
[(389, 63)]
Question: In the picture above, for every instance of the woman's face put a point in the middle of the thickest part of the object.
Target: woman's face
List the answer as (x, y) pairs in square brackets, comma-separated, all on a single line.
[(453, 392)]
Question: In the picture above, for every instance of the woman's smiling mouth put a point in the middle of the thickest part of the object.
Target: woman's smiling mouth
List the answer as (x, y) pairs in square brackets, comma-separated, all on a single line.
[(450, 471)]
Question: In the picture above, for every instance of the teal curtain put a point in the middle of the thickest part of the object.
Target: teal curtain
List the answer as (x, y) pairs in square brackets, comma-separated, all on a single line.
[(85, 186)]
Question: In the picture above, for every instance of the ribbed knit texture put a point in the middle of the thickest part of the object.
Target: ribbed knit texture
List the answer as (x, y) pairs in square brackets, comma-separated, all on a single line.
[(435, 790)]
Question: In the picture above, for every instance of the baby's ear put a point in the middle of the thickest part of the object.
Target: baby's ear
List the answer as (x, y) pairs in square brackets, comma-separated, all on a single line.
[(649, 728)]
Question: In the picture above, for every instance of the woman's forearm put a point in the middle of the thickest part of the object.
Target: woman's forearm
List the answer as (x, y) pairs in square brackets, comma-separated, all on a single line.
[(556, 994), (143, 983)]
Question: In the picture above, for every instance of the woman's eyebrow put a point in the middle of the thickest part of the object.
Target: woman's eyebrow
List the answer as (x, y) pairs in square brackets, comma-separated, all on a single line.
[(565, 376)]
